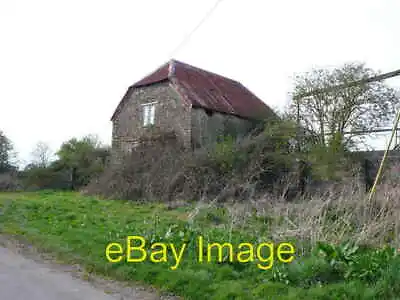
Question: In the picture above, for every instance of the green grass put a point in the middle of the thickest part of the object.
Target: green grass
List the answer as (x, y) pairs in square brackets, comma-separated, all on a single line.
[(77, 229)]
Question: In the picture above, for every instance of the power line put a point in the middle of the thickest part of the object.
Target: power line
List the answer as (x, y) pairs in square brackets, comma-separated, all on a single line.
[(341, 86), (350, 84), (189, 35), (362, 132)]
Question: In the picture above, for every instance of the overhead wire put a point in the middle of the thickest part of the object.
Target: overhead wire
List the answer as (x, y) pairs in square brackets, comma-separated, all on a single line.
[(193, 31)]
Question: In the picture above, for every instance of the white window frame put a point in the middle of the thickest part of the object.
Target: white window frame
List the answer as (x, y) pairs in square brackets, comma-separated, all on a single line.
[(149, 113)]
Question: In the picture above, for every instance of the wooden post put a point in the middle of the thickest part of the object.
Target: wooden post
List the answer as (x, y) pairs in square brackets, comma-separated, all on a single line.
[(368, 180), (379, 174), (301, 182), (73, 178), (303, 173)]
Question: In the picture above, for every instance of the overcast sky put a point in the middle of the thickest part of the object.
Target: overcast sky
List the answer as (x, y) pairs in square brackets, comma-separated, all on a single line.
[(64, 65)]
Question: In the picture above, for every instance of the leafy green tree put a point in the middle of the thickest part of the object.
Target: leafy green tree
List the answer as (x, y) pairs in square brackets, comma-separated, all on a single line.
[(330, 114), (6, 149), (85, 158), (333, 113), (37, 177), (78, 162)]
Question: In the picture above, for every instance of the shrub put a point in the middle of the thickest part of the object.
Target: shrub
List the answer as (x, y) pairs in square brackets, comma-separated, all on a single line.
[(38, 178), (160, 169), (9, 182)]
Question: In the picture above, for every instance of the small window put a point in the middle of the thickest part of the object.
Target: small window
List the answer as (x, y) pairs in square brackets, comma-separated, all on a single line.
[(148, 113)]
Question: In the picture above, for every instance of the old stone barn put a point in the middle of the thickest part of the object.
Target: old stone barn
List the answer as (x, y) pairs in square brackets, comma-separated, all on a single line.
[(196, 105)]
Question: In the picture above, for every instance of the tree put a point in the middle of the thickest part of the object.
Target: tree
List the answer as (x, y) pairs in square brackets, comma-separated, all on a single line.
[(85, 158), (330, 114), (41, 155), (6, 149), (78, 162)]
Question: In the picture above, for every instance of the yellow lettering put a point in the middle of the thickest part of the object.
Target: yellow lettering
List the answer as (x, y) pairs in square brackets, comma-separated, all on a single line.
[(249, 252), (220, 247), (290, 251), (200, 248), (110, 251), (140, 248), (269, 259), (178, 257), (163, 253)]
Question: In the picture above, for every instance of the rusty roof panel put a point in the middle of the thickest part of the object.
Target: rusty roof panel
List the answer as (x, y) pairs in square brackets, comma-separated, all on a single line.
[(159, 75), (209, 90)]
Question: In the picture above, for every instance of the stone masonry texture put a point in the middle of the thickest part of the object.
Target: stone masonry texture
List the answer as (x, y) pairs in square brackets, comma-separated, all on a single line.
[(194, 127)]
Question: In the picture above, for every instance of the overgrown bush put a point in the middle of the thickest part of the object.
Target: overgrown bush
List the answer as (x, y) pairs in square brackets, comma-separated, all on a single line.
[(38, 178), (230, 169), (9, 182), (161, 169), (79, 162)]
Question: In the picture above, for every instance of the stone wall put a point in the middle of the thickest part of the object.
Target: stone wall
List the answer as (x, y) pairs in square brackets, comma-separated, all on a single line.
[(194, 127), (171, 115), (208, 126)]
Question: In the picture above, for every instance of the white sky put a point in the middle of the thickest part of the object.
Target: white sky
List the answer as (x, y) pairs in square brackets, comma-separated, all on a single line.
[(64, 65)]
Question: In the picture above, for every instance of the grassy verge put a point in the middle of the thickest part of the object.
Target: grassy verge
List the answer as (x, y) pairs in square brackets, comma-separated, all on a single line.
[(78, 230)]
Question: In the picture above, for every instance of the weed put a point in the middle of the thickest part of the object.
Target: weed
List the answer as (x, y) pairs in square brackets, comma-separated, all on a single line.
[(77, 229)]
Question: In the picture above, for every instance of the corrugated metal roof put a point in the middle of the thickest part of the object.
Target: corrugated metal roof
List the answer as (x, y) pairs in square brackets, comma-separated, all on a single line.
[(204, 89)]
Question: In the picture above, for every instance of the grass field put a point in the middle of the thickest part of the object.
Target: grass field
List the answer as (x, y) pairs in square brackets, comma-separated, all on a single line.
[(78, 229)]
